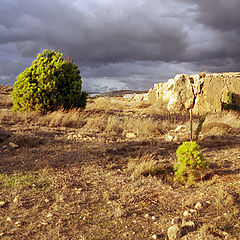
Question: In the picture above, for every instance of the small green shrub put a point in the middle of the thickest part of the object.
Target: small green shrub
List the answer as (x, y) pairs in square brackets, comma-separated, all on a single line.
[(231, 103), (190, 163), (50, 83)]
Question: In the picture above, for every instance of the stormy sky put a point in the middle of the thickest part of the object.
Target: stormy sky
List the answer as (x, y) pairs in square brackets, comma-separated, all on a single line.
[(122, 44)]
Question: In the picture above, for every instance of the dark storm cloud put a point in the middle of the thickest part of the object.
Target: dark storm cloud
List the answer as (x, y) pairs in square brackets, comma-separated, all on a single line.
[(218, 33), (128, 44)]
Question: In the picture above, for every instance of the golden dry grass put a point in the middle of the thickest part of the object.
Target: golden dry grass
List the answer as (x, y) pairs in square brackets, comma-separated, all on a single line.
[(220, 123), (53, 187)]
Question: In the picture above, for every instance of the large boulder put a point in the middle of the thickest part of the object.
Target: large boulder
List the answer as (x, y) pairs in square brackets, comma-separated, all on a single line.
[(201, 92)]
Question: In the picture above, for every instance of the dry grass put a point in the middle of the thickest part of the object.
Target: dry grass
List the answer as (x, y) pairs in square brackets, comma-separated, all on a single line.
[(145, 126), (5, 101), (73, 118), (145, 165), (221, 123), (108, 104), (58, 188)]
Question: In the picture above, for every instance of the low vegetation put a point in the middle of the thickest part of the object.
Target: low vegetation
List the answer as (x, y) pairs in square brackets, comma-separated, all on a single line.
[(49, 84), (107, 172), (191, 163)]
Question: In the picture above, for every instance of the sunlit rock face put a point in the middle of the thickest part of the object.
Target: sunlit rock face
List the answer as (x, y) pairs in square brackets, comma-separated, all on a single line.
[(201, 92)]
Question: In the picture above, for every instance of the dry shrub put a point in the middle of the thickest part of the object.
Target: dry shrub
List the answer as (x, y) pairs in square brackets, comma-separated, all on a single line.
[(143, 105), (222, 122), (114, 124), (156, 108), (108, 104), (10, 117), (6, 101), (144, 127), (104, 123), (144, 165), (96, 122), (73, 118)]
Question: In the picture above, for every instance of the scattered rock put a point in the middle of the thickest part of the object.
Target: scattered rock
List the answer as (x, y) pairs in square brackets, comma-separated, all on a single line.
[(186, 214), (174, 232), (193, 211), (2, 203), (154, 218), (169, 138), (188, 223), (154, 236), (146, 215), (18, 223), (131, 135), (198, 206), (49, 215), (13, 145), (180, 128)]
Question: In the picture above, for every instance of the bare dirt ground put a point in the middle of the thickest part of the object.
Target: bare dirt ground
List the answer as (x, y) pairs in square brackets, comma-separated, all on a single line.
[(67, 175)]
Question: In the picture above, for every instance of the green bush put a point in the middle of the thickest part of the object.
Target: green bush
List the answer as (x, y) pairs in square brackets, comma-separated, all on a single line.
[(191, 163), (231, 103), (49, 84)]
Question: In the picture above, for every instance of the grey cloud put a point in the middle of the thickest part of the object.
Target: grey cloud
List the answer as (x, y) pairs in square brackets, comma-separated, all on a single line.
[(122, 43), (98, 32)]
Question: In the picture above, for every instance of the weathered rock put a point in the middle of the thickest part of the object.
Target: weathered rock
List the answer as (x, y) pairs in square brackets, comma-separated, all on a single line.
[(13, 145), (174, 232), (130, 135), (198, 206), (2, 203), (201, 92)]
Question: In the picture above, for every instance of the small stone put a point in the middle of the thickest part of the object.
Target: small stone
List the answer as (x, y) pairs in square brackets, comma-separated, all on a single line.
[(130, 135), (46, 200), (146, 215), (169, 138), (18, 223), (208, 202), (225, 234), (188, 223), (9, 219), (174, 232), (49, 215), (13, 145), (180, 128), (198, 206), (154, 236), (2, 203), (15, 200), (153, 218), (192, 210), (186, 214)]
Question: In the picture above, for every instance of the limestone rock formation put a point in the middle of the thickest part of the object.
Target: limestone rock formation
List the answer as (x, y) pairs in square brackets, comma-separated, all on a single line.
[(201, 92)]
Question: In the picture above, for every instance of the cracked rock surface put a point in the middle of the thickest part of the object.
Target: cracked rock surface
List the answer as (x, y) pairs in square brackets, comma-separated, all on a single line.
[(201, 92)]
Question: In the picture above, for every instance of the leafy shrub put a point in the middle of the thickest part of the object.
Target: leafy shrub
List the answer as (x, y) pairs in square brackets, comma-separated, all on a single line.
[(50, 83), (190, 163), (231, 103)]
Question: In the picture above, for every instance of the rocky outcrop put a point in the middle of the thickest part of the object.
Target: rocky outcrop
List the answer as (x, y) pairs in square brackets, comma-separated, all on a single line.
[(201, 92)]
